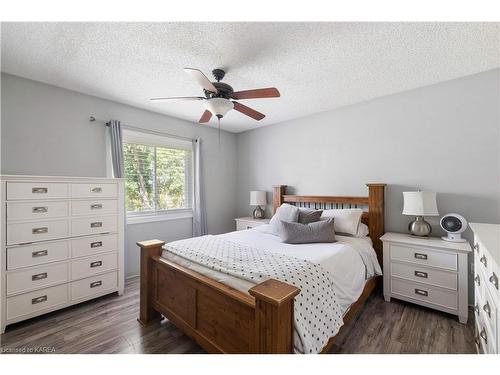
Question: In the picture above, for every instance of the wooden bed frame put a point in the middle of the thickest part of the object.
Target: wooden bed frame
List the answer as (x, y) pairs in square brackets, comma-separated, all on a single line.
[(225, 320)]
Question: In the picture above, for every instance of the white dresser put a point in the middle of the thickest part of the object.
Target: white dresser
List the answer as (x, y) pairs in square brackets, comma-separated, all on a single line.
[(62, 243), (427, 271), (486, 288)]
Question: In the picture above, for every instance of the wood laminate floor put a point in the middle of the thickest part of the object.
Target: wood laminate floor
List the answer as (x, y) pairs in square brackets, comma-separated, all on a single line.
[(109, 325)]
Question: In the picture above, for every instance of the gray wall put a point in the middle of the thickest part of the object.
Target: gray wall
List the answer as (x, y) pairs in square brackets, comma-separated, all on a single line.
[(442, 138), (45, 131)]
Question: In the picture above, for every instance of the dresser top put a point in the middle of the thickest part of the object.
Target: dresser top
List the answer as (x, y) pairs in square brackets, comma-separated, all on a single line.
[(56, 178), (435, 242), (489, 235)]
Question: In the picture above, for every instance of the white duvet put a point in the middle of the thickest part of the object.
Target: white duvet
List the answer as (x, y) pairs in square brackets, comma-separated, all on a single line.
[(351, 261)]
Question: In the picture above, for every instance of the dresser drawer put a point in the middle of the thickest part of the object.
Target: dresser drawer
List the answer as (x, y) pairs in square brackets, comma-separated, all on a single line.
[(426, 293), (94, 285), (91, 225), (32, 302), (33, 255), (90, 266), (25, 280), (36, 231), (489, 310), (94, 207), (92, 245), (36, 190), (424, 257), (36, 210), (486, 337), (94, 191), (424, 275)]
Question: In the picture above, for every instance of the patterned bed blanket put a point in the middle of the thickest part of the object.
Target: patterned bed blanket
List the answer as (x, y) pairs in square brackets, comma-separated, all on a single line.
[(316, 311)]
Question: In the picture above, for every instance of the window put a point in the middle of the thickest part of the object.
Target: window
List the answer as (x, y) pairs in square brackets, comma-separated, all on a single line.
[(158, 174)]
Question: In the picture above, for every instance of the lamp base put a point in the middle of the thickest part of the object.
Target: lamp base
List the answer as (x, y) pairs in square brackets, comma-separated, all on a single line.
[(258, 213), (419, 227)]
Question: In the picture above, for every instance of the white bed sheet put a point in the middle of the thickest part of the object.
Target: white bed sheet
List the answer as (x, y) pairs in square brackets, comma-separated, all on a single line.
[(351, 261)]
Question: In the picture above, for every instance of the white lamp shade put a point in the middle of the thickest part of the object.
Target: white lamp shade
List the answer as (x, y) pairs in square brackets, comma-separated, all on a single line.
[(219, 106), (420, 203), (258, 198)]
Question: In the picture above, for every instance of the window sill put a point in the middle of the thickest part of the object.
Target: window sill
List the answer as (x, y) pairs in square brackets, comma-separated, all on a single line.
[(140, 219)]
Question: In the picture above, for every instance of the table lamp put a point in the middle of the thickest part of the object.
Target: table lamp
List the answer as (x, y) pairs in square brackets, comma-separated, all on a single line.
[(258, 198), (420, 204)]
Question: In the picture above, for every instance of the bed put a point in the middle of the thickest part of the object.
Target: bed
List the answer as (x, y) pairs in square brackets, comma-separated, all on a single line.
[(229, 307)]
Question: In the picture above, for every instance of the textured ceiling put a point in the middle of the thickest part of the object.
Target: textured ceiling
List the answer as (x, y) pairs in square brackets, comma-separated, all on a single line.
[(316, 66)]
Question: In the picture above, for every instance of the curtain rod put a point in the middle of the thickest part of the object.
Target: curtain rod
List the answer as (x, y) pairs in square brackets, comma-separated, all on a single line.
[(130, 127)]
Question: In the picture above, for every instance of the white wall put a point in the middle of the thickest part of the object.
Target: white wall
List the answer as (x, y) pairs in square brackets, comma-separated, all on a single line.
[(442, 138), (45, 131)]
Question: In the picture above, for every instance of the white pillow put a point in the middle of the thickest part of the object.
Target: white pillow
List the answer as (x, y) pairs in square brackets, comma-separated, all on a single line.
[(285, 212), (362, 230), (346, 220)]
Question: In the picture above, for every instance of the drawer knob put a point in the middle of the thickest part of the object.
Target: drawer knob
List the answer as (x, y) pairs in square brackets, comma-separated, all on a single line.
[(494, 280), (476, 247), (97, 224), (476, 308), (487, 309), (96, 206), (40, 299), (39, 253), (484, 261), (421, 292), (477, 279), (40, 190), (39, 210), (483, 335), (40, 230), (95, 284), (424, 275), (96, 190), (96, 264), (477, 341), (39, 276), (95, 244), (420, 256)]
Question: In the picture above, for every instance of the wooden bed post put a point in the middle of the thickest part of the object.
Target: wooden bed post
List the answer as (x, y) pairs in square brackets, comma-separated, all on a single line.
[(278, 192), (148, 250), (274, 316), (376, 216)]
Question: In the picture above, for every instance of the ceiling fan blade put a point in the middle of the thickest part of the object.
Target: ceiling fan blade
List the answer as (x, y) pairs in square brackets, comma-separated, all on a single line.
[(205, 117), (177, 98), (202, 79), (270, 92), (248, 111)]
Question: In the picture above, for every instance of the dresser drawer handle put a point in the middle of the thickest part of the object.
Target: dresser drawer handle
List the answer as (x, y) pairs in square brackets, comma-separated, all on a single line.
[(40, 299), (96, 206), (477, 279), (484, 261), (476, 308), (96, 264), (39, 276), (421, 274), (477, 341), (483, 335), (494, 280), (421, 292), (421, 256), (96, 190), (476, 247), (95, 284), (40, 230), (39, 253), (95, 244), (97, 224), (487, 309), (40, 190), (39, 210)]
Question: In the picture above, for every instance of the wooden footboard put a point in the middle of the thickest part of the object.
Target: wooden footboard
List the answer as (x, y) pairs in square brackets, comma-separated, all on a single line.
[(221, 319)]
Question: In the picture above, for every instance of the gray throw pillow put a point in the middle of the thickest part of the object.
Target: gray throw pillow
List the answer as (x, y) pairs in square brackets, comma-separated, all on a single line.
[(319, 231), (285, 212), (307, 216)]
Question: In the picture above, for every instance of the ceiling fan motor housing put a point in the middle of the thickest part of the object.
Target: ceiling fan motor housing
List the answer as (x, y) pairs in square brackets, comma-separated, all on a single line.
[(225, 91)]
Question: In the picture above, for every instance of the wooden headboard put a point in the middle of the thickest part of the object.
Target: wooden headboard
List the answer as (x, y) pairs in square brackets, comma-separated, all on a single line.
[(373, 205)]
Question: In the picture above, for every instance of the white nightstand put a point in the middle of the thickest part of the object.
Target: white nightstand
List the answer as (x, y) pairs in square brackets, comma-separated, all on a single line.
[(427, 271), (243, 223)]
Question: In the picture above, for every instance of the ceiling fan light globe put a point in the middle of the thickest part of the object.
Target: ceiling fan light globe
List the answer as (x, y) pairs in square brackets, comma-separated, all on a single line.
[(218, 106)]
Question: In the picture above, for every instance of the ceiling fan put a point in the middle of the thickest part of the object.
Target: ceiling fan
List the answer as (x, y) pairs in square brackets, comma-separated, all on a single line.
[(220, 97)]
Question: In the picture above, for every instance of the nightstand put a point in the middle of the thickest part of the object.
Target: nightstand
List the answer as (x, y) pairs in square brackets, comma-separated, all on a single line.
[(243, 223), (427, 271)]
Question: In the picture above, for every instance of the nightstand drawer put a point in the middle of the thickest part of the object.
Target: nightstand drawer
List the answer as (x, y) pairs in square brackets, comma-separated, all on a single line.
[(444, 279), (426, 293), (424, 257)]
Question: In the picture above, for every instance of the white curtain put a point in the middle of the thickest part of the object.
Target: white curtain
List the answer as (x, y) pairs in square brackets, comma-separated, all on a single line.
[(116, 140), (199, 208)]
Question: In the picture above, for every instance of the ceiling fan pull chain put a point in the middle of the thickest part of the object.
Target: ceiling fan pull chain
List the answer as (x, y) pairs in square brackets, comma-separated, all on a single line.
[(218, 119)]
